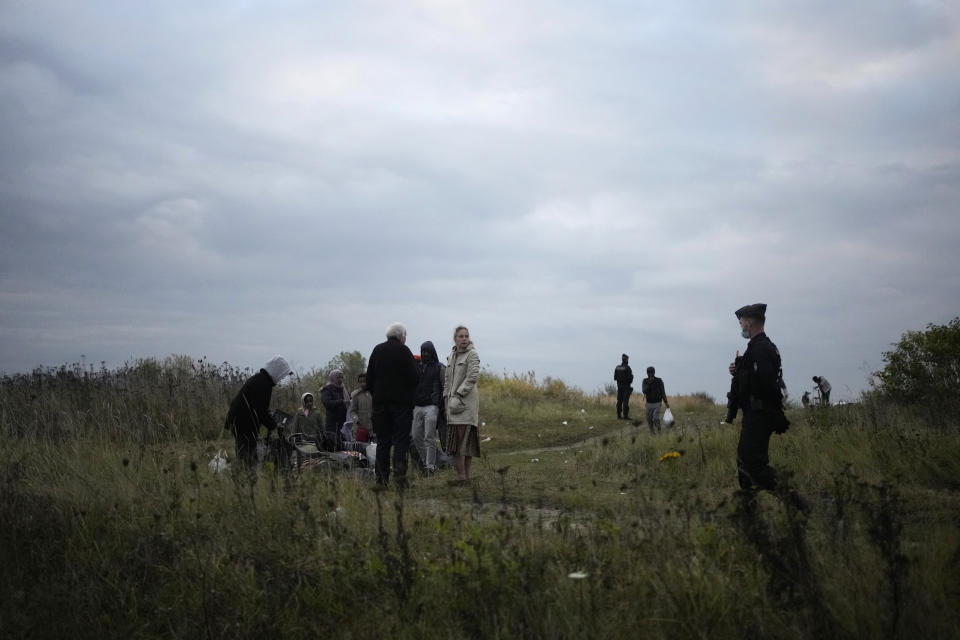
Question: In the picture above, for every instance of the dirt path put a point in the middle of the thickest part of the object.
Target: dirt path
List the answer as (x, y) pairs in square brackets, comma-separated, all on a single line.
[(629, 429)]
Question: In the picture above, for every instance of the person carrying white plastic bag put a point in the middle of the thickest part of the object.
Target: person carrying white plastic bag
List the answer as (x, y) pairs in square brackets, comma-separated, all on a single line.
[(654, 393)]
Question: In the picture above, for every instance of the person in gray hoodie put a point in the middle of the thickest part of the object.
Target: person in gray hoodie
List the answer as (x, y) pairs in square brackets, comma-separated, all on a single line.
[(250, 408), (427, 402)]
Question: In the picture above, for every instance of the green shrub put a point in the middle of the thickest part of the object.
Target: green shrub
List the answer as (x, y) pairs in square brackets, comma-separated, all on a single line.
[(924, 368)]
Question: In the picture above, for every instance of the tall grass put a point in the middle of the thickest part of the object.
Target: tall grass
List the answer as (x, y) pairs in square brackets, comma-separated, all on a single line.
[(114, 527)]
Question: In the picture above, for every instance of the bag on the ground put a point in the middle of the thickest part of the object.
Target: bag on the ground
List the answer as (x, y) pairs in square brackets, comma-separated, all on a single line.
[(219, 462), (668, 418)]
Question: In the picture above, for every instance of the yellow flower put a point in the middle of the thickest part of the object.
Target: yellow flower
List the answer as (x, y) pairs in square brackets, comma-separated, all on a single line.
[(669, 454)]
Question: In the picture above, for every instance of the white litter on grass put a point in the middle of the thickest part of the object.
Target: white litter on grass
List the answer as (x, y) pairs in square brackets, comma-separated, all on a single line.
[(591, 427), (483, 424), (623, 493), (487, 439), (564, 422), (219, 462), (583, 410), (577, 575), (534, 459)]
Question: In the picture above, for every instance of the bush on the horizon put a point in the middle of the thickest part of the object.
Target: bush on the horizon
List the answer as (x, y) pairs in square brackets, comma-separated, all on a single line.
[(924, 368)]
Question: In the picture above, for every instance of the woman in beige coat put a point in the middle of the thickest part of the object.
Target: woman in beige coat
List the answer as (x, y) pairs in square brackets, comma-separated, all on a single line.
[(462, 402)]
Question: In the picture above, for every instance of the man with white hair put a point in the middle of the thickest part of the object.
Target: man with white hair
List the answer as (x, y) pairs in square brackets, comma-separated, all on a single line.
[(250, 408), (392, 377)]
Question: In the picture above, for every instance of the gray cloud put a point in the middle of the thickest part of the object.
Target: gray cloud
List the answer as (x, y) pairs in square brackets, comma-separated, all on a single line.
[(571, 182)]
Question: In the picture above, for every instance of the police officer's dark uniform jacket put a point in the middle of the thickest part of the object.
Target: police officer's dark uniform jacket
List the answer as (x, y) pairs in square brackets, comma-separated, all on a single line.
[(623, 375)]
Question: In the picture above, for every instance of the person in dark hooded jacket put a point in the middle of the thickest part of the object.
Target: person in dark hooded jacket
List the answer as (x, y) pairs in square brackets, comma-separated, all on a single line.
[(427, 403), (250, 408)]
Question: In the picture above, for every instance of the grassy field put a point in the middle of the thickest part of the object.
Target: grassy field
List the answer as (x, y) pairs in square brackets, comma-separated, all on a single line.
[(577, 524)]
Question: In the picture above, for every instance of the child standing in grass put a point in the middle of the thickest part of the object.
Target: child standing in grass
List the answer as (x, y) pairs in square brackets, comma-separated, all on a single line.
[(309, 419)]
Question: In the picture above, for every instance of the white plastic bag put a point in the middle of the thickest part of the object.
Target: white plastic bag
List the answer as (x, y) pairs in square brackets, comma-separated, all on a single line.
[(668, 418), (219, 462)]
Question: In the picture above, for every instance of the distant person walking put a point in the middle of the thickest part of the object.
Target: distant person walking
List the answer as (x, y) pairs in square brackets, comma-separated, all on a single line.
[(758, 377), (824, 388), (462, 402), (392, 378), (336, 399), (428, 399), (655, 394), (624, 378), (250, 409), (361, 410)]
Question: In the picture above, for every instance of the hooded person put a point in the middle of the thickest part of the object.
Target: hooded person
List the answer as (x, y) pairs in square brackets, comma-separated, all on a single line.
[(336, 400), (427, 403), (250, 408), (309, 418)]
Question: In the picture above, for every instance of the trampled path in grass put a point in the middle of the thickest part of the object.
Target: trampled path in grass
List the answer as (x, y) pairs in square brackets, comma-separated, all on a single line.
[(630, 428)]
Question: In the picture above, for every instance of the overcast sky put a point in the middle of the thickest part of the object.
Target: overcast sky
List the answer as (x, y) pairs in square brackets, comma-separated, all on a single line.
[(570, 180)]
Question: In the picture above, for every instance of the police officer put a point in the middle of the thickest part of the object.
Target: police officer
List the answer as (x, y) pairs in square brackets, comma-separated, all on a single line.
[(624, 377), (759, 390)]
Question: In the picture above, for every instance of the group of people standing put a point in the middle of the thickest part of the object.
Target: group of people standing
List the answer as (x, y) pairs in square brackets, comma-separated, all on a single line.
[(344, 417), (404, 402), (652, 389), (409, 400), (402, 399)]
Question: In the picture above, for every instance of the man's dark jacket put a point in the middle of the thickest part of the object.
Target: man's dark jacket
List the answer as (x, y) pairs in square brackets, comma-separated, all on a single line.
[(653, 390), (250, 408), (623, 375), (430, 388), (392, 374), (758, 377)]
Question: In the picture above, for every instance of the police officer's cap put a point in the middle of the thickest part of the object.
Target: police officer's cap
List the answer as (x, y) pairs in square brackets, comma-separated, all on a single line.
[(758, 310)]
